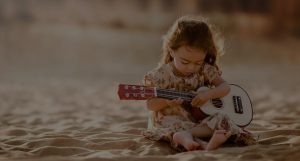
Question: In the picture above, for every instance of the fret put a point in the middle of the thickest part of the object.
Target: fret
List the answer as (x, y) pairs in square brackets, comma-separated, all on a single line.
[(172, 94)]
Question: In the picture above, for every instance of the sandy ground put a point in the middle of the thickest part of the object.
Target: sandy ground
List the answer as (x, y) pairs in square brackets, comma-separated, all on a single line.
[(80, 117)]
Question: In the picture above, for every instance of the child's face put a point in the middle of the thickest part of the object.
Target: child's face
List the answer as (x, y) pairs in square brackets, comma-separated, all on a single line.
[(188, 60)]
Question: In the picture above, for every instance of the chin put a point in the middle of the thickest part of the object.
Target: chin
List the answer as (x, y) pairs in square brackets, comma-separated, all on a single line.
[(188, 74)]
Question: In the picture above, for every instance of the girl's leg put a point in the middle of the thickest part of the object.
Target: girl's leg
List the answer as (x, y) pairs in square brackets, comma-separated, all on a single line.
[(218, 138), (185, 138), (202, 131)]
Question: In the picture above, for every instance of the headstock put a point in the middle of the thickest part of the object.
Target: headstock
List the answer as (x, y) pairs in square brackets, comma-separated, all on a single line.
[(135, 92)]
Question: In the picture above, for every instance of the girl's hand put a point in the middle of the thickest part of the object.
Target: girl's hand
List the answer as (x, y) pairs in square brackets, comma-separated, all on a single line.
[(175, 102), (200, 99)]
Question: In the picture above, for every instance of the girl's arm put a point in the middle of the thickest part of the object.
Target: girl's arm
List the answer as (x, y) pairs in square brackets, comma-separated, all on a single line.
[(156, 104), (221, 89)]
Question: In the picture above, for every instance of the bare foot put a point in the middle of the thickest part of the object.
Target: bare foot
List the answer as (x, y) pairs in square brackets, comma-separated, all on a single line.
[(218, 138), (185, 139)]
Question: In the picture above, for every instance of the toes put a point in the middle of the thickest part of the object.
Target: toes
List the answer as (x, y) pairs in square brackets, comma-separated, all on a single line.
[(224, 132), (228, 134), (194, 146), (201, 147), (221, 131)]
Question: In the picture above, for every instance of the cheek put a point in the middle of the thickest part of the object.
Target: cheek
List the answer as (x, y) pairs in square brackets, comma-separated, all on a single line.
[(179, 65), (198, 67)]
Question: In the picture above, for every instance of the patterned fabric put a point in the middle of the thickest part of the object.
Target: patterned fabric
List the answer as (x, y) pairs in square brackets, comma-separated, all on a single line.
[(164, 123)]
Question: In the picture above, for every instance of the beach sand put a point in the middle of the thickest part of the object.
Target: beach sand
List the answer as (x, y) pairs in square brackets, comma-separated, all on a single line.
[(86, 121), (47, 118)]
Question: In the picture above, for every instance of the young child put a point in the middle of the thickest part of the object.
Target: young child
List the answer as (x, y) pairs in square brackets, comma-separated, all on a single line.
[(189, 61)]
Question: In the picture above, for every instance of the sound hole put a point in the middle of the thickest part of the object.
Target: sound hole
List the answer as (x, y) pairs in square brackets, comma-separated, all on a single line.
[(218, 103)]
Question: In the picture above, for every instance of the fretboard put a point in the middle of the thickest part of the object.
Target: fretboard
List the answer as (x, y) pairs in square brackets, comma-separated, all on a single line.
[(172, 94)]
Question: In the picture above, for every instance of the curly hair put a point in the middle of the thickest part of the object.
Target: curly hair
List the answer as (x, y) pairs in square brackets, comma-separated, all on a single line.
[(194, 32)]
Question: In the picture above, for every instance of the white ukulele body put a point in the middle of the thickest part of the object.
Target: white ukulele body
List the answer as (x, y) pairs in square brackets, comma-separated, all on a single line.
[(236, 105)]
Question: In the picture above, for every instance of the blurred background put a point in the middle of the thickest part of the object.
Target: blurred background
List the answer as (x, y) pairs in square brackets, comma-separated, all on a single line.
[(118, 41), (61, 62)]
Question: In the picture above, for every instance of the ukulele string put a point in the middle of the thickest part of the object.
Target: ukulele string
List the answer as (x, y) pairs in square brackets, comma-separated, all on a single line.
[(169, 96), (167, 93), (172, 92)]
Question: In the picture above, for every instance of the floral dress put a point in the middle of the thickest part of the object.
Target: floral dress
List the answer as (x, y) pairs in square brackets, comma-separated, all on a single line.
[(164, 123)]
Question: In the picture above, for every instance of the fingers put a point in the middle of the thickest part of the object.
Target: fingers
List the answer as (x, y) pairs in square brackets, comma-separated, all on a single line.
[(197, 102), (179, 100), (200, 99), (175, 102)]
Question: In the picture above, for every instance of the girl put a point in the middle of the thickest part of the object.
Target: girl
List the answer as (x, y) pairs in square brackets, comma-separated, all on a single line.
[(189, 61)]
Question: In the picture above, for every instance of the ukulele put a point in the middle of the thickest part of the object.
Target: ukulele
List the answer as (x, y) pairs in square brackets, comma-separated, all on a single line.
[(236, 105)]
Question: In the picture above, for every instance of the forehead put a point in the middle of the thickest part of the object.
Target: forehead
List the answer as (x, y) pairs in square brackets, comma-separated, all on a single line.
[(191, 54)]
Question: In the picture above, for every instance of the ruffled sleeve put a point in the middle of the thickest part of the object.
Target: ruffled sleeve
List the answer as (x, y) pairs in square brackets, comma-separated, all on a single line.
[(158, 77), (149, 79), (210, 73)]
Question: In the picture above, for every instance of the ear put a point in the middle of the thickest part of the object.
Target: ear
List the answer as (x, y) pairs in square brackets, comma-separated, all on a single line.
[(171, 53)]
